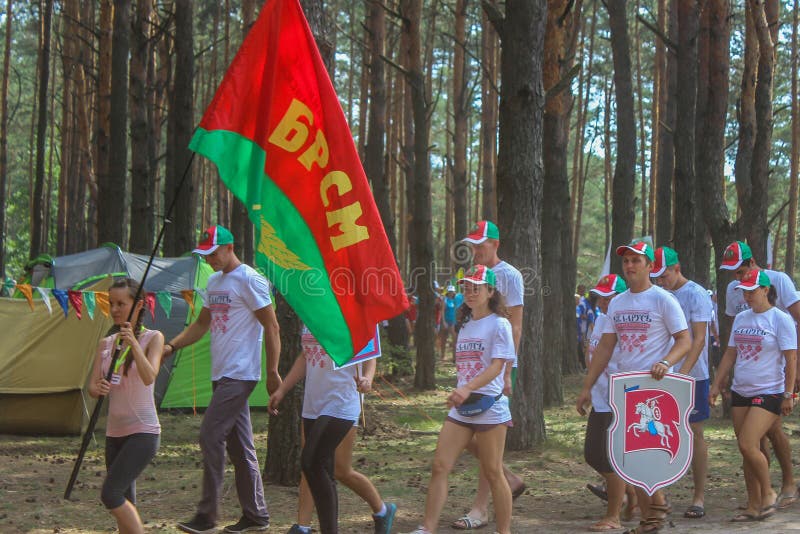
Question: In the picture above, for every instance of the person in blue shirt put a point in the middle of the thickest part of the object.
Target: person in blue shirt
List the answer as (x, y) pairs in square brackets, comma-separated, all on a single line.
[(452, 301)]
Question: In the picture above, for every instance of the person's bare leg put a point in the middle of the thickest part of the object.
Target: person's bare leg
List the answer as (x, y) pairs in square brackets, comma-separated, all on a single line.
[(699, 464), (491, 445), (750, 425), (128, 519), (615, 487), (480, 505), (783, 452), (357, 482)]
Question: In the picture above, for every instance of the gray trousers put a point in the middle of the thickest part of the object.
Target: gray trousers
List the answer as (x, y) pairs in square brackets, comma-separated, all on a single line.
[(226, 425)]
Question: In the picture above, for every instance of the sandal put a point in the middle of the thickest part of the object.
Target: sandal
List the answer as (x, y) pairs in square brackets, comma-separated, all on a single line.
[(695, 511), (468, 523), (745, 517), (604, 526)]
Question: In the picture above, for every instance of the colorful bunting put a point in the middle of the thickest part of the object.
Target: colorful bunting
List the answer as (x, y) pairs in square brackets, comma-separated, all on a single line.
[(165, 301), (63, 299), (26, 290), (77, 301), (150, 302), (45, 294), (90, 302), (188, 296), (102, 302)]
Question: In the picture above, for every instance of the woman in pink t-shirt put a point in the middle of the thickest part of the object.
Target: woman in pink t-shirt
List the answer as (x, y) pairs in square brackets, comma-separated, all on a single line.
[(132, 431)]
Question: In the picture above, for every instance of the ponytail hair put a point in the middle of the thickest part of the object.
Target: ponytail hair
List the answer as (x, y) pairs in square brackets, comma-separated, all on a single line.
[(133, 289), (772, 295)]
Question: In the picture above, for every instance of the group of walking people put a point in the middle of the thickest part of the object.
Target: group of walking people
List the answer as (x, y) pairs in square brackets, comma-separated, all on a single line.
[(669, 318), (657, 320)]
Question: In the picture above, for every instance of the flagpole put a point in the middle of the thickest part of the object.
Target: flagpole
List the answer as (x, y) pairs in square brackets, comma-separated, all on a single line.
[(96, 413)]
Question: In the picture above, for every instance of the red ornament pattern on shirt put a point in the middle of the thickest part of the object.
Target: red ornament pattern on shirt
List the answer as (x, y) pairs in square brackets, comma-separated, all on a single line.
[(219, 303), (632, 327), (314, 353), (468, 359), (748, 346)]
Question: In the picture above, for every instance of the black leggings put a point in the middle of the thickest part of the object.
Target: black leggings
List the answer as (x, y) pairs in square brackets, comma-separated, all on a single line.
[(323, 435), (126, 458)]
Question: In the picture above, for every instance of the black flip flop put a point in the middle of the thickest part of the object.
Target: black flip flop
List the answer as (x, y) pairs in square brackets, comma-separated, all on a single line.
[(599, 491)]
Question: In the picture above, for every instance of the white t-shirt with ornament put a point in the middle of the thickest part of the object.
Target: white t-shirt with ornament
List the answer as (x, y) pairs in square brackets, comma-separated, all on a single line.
[(236, 335), (760, 339), (479, 342), (600, 388), (784, 287), (697, 308), (644, 324), (328, 391)]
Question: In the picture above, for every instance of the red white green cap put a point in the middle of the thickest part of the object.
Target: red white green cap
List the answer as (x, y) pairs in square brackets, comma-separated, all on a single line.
[(610, 284), (212, 239), (639, 248), (754, 279), (665, 257), (479, 274), (482, 231), (736, 253)]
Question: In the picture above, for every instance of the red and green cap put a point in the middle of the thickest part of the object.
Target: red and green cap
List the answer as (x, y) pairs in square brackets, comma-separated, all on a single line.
[(665, 257), (212, 238), (736, 253), (610, 284), (482, 231), (479, 274), (639, 248), (754, 279)]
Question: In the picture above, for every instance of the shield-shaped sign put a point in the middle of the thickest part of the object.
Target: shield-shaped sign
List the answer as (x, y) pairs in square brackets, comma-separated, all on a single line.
[(650, 442)]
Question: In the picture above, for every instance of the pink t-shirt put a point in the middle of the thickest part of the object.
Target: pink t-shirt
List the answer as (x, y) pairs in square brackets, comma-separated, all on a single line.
[(131, 407)]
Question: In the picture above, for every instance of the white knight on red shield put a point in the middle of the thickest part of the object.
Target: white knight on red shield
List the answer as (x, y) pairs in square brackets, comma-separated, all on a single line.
[(650, 442)]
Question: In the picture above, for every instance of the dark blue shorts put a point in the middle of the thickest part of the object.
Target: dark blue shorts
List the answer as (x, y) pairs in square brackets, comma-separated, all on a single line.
[(701, 409), (769, 401)]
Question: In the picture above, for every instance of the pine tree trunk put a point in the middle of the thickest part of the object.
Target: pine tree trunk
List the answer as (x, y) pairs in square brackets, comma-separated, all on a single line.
[(791, 225), (460, 113), (142, 179), (622, 214), (489, 47), (181, 235), (4, 139), (520, 177), (666, 134), (39, 203)]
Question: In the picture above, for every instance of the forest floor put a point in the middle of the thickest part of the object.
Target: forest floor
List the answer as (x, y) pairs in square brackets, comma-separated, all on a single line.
[(395, 453)]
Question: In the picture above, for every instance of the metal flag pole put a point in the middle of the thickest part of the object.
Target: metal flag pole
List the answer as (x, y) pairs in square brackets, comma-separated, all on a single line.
[(96, 413)]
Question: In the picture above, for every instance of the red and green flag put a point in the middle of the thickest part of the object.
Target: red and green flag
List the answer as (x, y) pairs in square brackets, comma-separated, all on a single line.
[(280, 140)]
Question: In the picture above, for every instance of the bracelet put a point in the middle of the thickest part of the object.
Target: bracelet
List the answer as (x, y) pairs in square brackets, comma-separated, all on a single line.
[(665, 363), (171, 347)]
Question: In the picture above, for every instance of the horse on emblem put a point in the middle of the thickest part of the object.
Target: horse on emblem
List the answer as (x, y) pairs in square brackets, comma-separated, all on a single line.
[(650, 421)]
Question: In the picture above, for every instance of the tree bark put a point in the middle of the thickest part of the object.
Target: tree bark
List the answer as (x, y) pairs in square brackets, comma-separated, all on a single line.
[(685, 210), (791, 226), (622, 215), (666, 135), (520, 177), (460, 114), (488, 118), (142, 179), (39, 203), (181, 235), (4, 139)]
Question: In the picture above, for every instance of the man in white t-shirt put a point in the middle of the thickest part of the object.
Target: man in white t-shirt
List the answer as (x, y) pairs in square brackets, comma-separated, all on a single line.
[(647, 332), (738, 258), (484, 240), (237, 308), (698, 310)]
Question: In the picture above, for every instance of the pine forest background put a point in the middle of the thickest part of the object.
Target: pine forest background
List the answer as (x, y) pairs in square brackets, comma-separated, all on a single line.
[(574, 124)]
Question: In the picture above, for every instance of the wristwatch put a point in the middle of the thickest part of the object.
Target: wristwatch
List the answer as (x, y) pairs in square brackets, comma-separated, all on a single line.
[(665, 363), (788, 394)]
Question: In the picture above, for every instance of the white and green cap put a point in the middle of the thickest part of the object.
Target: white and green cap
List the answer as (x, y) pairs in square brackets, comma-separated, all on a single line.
[(479, 274), (212, 238), (482, 231), (610, 284), (754, 279), (736, 253), (665, 257)]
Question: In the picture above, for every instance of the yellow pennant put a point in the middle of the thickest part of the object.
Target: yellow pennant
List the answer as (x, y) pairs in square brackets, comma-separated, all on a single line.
[(188, 296), (101, 298), (26, 290)]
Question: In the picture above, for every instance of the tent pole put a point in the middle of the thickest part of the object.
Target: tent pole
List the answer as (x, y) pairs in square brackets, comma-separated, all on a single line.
[(87, 436)]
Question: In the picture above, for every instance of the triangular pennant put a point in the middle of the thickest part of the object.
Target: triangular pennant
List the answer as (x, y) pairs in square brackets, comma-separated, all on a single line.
[(63, 299), (90, 303), (76, 300), (188, 296), (26, 290), (165, 301), (150, 302), (102, 302), (8, 285), (45, 294)]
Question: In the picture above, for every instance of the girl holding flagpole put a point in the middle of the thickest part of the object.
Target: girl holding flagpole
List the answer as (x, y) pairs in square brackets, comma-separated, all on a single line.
[(331, 407), (133, 430), (762, 350), (478, 408)]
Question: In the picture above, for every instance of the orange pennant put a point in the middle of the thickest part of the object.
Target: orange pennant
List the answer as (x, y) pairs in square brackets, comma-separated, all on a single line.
[(26, 290), (101, 297), (188, 296)]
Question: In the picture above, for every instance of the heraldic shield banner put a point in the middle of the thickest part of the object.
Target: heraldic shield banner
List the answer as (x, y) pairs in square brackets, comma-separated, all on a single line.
[(650, 442)]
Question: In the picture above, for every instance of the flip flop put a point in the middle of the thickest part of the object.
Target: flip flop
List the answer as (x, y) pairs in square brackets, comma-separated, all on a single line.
[(468, 523), (784, 501), (768, 511), (517, 492), (745, 517), (694, 512), (604, 526)]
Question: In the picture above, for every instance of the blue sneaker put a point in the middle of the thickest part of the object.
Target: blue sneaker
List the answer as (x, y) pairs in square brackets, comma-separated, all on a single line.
[(383, 524)]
